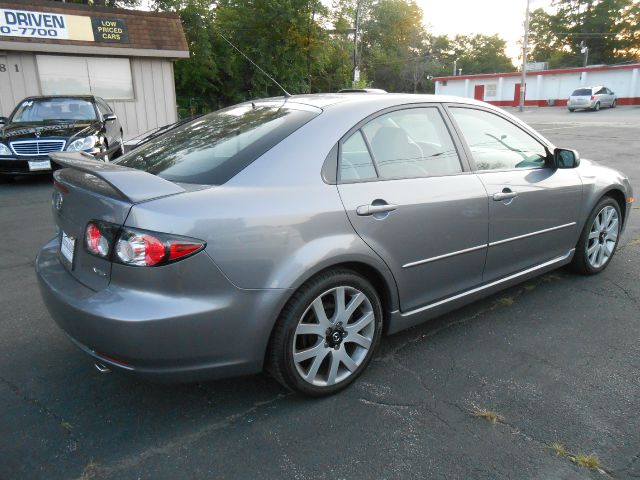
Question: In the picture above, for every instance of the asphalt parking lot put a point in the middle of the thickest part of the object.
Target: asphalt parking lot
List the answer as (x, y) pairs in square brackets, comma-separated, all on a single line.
[(557, 359)]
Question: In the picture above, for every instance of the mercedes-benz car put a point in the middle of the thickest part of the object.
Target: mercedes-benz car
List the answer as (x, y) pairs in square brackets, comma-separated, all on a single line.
[(592, 98), (42, 125), (292, 233)]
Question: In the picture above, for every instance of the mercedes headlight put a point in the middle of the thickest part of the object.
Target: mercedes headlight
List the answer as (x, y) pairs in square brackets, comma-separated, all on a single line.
[(81, 144), (4, 150)]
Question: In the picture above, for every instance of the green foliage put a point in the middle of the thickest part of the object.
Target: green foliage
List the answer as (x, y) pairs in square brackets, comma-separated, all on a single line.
[(609, 28)]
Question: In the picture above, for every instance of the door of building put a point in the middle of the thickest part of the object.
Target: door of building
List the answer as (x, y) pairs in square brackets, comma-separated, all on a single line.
[(478, 92)]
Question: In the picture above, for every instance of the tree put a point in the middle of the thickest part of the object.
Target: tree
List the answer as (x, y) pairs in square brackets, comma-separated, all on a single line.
[(481, 54), (608, 28)]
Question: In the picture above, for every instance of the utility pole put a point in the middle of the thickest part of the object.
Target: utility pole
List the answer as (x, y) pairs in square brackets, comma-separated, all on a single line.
[(356, 70), (455, 67), (584, 49), (525, 46)]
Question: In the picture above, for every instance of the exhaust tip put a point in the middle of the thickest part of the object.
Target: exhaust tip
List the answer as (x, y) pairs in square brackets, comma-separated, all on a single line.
[(102, 368)]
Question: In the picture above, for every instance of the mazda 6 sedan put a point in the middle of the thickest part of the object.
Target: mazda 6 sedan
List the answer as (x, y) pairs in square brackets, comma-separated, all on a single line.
[(292, 233)]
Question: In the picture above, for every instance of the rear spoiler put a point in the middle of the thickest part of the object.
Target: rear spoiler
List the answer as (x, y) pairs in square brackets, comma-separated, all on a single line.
[(133, 185)]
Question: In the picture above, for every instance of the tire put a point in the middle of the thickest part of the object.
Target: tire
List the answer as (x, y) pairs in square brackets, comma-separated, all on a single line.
[(572, 109), (614, 104), (596, 107), (594, 254), (5, 178), (120, 151), (330, 349)]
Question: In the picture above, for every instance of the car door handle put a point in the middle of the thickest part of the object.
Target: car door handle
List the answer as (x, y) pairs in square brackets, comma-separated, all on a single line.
[(506, 194), (364, 210)]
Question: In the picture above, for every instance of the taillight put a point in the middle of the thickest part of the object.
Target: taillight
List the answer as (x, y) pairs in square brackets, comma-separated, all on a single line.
[(593, 97), (96, 242), (136, 247)]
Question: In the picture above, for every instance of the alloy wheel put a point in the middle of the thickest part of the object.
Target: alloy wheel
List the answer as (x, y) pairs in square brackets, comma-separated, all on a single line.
[(603, 237), (333, 336)]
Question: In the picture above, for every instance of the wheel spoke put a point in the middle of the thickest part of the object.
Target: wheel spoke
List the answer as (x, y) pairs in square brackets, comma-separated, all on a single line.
[(359, 339), (594, 234), (613, 228), (347, 361), (365, 320), (340, 304), (596, 222), (303, 355), (333, 369), (599, 255), (355, 302), (310, 329), (321, 315), (315, 365)]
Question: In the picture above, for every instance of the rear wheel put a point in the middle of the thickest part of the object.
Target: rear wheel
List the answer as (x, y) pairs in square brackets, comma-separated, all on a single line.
[(614, 104), (572, 109), (596, 107), (599, 238), (327, 333)]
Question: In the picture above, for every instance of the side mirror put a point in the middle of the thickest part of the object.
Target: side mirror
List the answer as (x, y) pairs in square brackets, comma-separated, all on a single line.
[(109, 117), (566, 158), (4, 120)]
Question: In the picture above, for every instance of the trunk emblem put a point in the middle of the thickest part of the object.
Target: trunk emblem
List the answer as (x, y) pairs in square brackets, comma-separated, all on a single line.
[(38, 132)]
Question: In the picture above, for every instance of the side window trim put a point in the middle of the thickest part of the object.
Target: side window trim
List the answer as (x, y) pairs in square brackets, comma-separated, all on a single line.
[(460, 147), (472, 162), (371, 154)]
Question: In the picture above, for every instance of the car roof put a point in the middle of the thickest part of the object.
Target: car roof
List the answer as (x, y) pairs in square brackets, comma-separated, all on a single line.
[(333, 100), (44, 97)]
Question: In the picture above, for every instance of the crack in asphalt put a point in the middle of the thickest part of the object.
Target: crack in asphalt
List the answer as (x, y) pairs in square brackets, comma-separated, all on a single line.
[(183, 440)]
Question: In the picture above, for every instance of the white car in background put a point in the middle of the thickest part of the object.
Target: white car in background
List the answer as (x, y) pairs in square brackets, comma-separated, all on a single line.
[(592, 98)]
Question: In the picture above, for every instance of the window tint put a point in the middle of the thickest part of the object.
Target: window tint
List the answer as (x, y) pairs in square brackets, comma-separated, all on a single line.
[(213, 148), (355, 161), (412, 143), (581, 92), (496, 143)]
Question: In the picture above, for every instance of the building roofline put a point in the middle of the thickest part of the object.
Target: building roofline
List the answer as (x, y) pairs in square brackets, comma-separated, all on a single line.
[(80, 7), (598, 68), (75, 49)]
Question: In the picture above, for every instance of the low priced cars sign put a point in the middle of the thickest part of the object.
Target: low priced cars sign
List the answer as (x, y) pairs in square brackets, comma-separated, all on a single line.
[(110, 30)]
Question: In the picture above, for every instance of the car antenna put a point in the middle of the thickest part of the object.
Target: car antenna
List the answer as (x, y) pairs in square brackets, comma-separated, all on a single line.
[(286, 94)]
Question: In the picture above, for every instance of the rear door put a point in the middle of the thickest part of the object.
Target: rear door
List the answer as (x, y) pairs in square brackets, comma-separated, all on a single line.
[(533, 207), (411, 198)]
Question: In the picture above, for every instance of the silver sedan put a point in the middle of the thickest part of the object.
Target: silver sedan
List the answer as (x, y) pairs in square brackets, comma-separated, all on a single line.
[(292, 233)]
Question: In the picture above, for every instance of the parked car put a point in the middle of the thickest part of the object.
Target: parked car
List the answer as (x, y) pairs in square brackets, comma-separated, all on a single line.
[(42, 125), (592, 98), (293, 233)]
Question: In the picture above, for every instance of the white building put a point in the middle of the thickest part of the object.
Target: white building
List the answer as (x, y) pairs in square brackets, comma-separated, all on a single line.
[(123, 56), (546, 87)]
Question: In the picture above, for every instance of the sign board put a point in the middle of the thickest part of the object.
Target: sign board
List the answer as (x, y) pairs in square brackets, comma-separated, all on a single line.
[(57, 26), (110, 30)]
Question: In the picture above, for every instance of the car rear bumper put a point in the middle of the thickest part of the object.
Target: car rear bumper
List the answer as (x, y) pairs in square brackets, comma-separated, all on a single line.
[(213, 332)]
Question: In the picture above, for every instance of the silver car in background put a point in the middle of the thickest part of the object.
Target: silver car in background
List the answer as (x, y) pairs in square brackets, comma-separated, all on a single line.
[(592, 98), (293, 233)]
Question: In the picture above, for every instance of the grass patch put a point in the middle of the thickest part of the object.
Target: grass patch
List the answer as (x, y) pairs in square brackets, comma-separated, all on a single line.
[(592, 462), (558, 449), (89, 471), (530, 286), (489, 415), (506, 301)]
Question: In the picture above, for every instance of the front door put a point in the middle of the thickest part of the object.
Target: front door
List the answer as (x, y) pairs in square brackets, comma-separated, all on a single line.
[(410, 199), (478, 92), (533, 207)]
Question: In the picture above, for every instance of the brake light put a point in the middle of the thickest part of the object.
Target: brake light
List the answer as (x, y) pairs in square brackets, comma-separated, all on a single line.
[(95, 241), (593, 97), (136, 247)]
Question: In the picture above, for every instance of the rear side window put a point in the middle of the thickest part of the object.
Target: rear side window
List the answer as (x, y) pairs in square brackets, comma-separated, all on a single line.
[(355, 161), (212, 149), (581, 92)]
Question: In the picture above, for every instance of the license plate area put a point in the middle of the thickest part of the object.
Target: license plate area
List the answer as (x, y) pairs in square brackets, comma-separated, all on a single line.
[(67, 248), (35, 165)]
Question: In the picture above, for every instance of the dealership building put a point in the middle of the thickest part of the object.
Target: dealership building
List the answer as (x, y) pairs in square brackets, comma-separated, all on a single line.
[(123, 56), (544, 87)]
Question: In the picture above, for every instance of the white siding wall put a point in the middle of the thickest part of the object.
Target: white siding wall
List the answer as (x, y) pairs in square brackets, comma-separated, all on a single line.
[(624, 82), (153, 83)]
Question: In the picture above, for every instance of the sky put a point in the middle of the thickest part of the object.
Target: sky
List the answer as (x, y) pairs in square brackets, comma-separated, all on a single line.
[(504, 17)]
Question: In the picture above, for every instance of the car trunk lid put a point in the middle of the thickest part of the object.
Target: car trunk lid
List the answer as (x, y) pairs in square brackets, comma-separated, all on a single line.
[(88, 190)]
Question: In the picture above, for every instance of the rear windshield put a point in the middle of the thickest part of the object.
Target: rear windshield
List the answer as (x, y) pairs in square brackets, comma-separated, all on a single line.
[(581, 92), (212, 149)]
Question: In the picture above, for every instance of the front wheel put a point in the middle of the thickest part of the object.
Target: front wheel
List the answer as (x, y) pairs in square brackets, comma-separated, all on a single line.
[(599, 238), (614, 104), (327, 333)]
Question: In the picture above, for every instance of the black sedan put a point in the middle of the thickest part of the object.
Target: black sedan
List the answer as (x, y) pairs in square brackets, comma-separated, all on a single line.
[(42, 125)]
